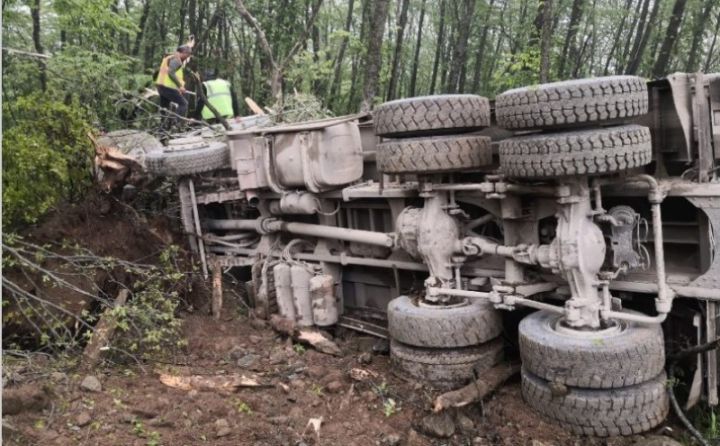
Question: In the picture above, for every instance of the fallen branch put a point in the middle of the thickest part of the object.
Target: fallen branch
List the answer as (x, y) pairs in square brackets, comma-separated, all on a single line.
[(254, 107), (477, 390), (103, 332), (679, 412), (219, 383), (712, 345)]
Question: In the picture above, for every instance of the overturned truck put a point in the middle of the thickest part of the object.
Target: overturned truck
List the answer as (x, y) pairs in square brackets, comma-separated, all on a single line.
[(592, 207)]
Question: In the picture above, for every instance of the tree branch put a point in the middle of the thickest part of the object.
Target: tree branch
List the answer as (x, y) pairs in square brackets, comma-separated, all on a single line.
[(303, 36), (252, 21)]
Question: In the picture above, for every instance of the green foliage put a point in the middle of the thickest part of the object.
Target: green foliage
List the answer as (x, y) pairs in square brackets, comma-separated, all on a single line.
[(521, 69), (96, 80), (148, 323), (299, 107), (308, 69), (241, 406), (46, 157), (93, 23)]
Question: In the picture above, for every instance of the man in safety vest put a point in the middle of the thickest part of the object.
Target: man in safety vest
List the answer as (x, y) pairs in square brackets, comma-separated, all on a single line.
[(170, 81), (219, 95)]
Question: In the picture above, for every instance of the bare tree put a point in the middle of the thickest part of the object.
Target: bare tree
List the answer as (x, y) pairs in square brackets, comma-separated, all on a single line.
[(277, 66)]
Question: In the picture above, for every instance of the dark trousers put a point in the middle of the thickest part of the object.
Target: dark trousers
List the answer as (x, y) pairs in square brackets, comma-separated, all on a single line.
[(168, 95)]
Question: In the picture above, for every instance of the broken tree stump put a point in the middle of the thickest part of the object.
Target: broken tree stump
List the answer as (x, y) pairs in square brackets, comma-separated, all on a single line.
[(477, 390), (103, 332), (308, 335), (217, 292)]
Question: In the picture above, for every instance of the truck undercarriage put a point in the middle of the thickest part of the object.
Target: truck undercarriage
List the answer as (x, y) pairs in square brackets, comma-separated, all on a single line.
[(594, 201)]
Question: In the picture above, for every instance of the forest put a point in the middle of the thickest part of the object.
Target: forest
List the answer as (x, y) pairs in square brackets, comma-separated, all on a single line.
[(76, 255), (348, 51), (88, 60)]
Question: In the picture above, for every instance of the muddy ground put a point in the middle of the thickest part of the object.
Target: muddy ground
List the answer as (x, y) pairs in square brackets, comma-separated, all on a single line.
[(55, 402), (132, 406)]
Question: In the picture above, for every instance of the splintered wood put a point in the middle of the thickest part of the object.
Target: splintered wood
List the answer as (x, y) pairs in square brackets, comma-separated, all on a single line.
[(116, 166), (218, 383), (477, 390), (103, 332)]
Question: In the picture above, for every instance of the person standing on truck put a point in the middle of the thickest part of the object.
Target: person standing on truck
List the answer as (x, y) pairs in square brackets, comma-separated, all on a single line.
[(219, 96), (170, 81)]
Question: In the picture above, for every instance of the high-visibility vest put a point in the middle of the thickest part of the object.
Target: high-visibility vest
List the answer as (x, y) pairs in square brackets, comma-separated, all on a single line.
[(218, 94), (163, 77)]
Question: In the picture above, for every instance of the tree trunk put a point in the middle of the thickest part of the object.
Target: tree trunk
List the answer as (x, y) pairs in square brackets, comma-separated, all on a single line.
[(616, 38), (141, 27), (192, 17), (545, 32), (671, 33), (456, 81), (480, 53), (638, 55), (639, 33), (416, 58), (35, 14), (438, 47), (315, 33), (352, 97), (628, 40), (181, 28), (698, 33), (711, 53), (589, 37), (394, 71), (569, 45), (337, 75), (373, 59)]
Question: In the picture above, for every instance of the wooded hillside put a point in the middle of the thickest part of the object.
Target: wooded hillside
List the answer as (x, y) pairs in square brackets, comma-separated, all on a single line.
[(349, 51)]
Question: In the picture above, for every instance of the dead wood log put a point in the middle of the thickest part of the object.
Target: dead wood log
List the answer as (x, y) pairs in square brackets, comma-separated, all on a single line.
[(103, 332), (117, 168), (217, 292), (219, 383), (252, 105), (477, 390), (308, 335)]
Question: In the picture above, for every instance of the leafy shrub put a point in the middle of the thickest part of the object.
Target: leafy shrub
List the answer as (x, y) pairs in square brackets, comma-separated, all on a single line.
[(46, 157)]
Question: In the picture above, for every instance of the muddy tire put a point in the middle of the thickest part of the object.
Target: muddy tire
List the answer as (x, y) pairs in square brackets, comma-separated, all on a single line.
[(581, 152), (434, 154), (462, 326), (572, 103), (628, 354), (445, 368), (211, 157), (424, 115), (602, 413)]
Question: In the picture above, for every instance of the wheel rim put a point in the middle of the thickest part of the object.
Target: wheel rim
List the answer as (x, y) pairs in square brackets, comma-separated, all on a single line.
[(613, 328)]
